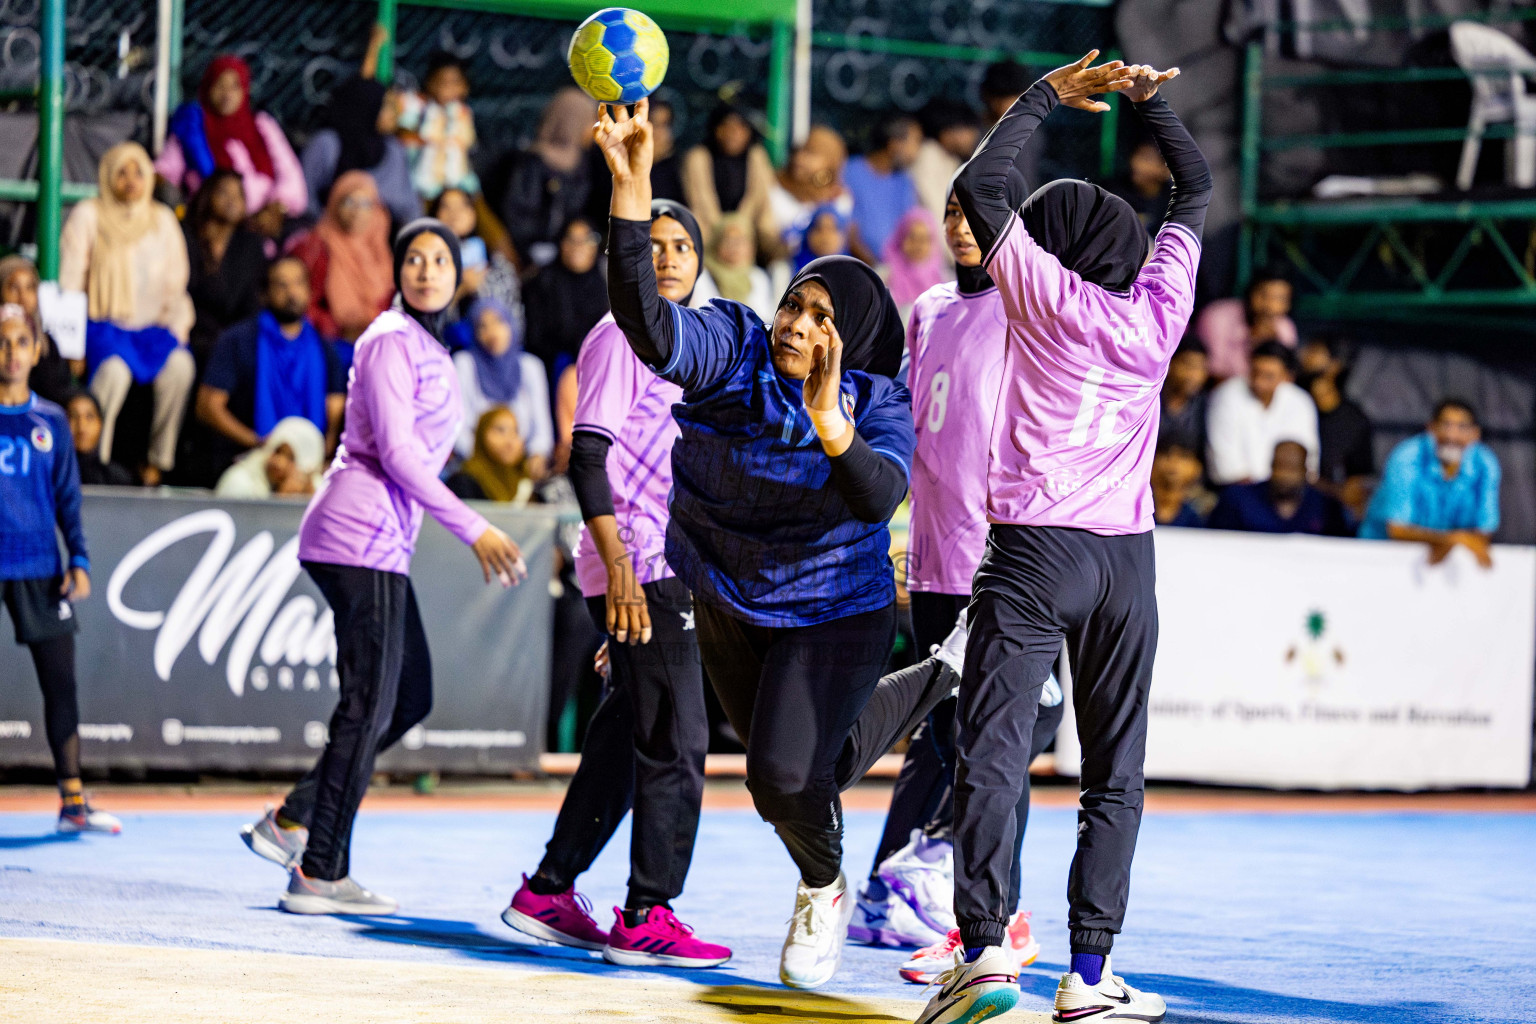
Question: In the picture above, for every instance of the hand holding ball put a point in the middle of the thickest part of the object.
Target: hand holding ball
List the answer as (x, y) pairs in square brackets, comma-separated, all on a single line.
[(618, 55)]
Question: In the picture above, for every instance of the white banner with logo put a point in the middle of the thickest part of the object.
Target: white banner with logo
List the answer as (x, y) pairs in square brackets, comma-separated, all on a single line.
[(1334, 664)]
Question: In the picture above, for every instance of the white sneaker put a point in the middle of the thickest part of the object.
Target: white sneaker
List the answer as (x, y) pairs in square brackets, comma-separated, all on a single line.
[(974, 991), (888, 921), (307, 895), (1019, 942), (1110, 999), (952, 651), (929, 964), (813, 950), (88, 819), (922, 873)]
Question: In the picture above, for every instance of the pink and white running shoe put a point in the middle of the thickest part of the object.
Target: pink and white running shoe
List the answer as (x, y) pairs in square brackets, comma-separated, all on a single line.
[(1019, 943), (564, 918), (928, 963), (661, 940)]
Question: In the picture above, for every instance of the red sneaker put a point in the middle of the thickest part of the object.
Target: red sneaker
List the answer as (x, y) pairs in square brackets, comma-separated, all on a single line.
[(661, 940), (564, 918), (1018, 943)]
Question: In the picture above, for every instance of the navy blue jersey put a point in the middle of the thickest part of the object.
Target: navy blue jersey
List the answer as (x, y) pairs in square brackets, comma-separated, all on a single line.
[(757, 525), (39, 487)]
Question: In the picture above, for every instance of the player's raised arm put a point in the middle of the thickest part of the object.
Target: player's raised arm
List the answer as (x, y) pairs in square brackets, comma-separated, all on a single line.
[(629, 147), (1191, 174)]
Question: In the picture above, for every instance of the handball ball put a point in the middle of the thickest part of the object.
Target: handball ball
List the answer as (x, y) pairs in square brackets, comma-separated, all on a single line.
[(618, 55)]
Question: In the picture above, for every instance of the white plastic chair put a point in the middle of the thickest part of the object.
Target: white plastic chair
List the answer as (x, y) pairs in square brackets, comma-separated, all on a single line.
[(1498, 98)]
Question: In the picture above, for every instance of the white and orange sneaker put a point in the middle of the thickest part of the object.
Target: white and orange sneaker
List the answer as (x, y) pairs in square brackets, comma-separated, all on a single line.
[(927, 964), (1019, 943)]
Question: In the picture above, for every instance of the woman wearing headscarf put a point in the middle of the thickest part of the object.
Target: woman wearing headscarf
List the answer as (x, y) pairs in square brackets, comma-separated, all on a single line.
[(732, 263), (811, 178), (494, 370), (348, 257), (355, 541), (550, 180), (1092, 325), (286, 464), (219, 130), (497, 468), (914, 261), (51, 377), (729, 172), (127, 253), (359, 135), (488, 269), (646, 741), (566, 299), (794, 448), (228, 262), (826, 234)]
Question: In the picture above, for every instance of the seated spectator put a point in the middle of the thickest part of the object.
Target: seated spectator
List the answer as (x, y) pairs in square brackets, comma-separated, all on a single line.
[(359, 135), (270, 368), (1185, 397), (812, 178), (498, 470), (85, 427), (219, 131), (227, 262), (950, 135), (1147, 184), (350, 264), (1232, 328), (438, 129), (913, 258), (1440, 488), (1249, 416), (825, 235), (288, 463), (127, 253), (51, 378), (566, 299), (548, 184), (1285, 503), (730, 173), (1001, 84), (881, 185), (494, 370), (1348, 458), (488, 273), (732, 264), (1176, 473)]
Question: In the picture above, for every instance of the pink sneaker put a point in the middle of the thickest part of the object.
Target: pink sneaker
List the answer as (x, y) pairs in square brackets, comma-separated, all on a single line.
[(931, 961), (1018, 943), (661, 940), (564, 918)]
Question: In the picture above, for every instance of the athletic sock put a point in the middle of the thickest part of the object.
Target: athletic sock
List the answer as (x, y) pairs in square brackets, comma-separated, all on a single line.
[(875, 890), (72, 796), (635, 918), (973, 953), (541, 886), (1088, 966), (283, 821)]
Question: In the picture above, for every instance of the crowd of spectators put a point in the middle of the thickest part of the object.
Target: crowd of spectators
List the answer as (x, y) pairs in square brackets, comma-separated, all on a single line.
[(229, 277)]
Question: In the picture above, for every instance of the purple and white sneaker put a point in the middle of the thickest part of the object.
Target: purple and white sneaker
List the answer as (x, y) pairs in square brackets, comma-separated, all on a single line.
[(564, 918), (661, 940)]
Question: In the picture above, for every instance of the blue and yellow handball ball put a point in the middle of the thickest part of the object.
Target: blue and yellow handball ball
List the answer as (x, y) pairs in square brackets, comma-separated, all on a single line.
[(618, 55)]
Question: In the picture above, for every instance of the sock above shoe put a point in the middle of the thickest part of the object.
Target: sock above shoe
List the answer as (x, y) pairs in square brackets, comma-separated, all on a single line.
[(541, 886), (1088, 966)]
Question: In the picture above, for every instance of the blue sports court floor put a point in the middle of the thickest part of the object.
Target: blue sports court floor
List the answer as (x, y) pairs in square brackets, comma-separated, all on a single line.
[(1349, 917)]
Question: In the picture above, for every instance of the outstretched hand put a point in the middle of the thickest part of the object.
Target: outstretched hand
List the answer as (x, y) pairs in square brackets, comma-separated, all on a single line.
[(1076, 82), (1146, 80), (627, 143)]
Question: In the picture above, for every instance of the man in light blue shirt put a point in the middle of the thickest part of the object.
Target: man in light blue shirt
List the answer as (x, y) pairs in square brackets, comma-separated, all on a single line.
[(1439, 488), (882, 189)]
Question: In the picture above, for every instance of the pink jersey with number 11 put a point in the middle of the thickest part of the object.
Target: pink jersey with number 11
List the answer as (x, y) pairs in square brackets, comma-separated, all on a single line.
[(1073, 444)]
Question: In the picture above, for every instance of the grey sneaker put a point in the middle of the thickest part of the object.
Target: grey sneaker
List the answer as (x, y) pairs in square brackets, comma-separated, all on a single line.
[(282, 846), (343, 896)]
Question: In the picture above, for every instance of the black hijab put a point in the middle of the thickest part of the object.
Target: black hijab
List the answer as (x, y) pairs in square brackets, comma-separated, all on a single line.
[(433, 323), (1092, 232), (974, 280), (730, 171), (353, 115), (684, 216), (560, 306), (863, 311)]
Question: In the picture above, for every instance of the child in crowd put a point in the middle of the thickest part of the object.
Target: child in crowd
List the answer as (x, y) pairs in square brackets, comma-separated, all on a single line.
[(913, 259), (438, 129), (84, 414), (826, 236), (41, 489)]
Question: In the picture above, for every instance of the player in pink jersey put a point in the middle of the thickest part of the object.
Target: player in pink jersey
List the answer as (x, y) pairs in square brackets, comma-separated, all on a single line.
[(1092, 325)]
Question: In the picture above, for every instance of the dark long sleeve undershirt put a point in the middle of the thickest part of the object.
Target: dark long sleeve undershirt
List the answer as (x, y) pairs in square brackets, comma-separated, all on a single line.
[(641, 313), (982, 184), (1191, 174), (589, 474), (870, 484)]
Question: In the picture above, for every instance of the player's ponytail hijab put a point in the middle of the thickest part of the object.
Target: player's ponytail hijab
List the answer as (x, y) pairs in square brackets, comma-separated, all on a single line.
[(863, 310), (434, 322), (1092, 232)]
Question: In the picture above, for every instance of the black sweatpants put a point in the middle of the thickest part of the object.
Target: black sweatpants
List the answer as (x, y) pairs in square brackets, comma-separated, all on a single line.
[(1037, 585), (793, 695), (645, 747), (45, 622), (386, 687)]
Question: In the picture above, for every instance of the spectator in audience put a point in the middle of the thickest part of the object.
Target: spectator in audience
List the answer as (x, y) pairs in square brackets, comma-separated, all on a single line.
[(1249, 416), (882, 189), (351, 270), (498, 470), (1285, 503), (127, 253), (1231, 328), (732, 265), (826, 235), (1001, 84), (438, 129), (1176, 473), (565, 420), (1185, 396), (666, 172), (950, 135), (730, 173), (51, 378), (548, 184), (812, 178), (1147, 184), (488, 272), (359, 135), (219, 130), (270, 368), (1440, 488), (85, 427), (227, 261), (566, 299), (1348, 458), (287, 463), (495, 371), (912, 257)]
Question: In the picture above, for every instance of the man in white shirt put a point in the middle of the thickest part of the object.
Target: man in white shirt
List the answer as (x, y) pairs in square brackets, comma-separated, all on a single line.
[(1249, 416)]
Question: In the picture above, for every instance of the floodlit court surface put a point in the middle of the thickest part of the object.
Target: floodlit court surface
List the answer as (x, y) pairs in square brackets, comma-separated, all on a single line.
[(1244, 908)]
